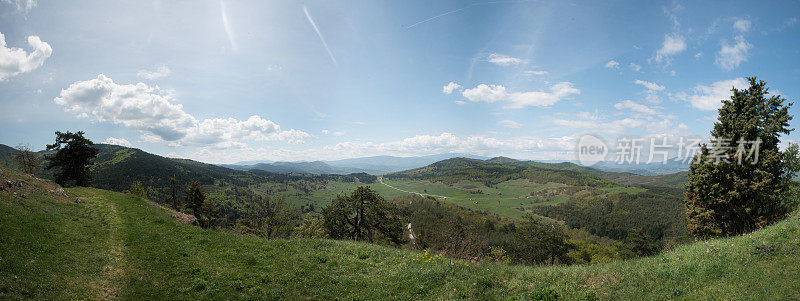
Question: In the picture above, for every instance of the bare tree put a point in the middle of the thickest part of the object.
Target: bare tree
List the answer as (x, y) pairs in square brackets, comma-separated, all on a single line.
[(27, 159)]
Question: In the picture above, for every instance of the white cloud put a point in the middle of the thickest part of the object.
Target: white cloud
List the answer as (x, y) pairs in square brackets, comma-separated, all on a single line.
[(117, 141), (588, 116), (522, 147), (24, 6), (649, 85), (652, 98), (161, 71), (530, 73), (325, 132), (635, 67), (636, 107), (504, 60), (673, 44), (742, 25), (518, 100), (14, 61), (612, 64), (614, 127), (710, 97), (450, 87), (153, 112), (511, 124), (538, 99), (485, 93), (730, 56)]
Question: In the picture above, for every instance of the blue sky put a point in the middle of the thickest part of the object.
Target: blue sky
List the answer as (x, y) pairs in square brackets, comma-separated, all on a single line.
[(228, 81)]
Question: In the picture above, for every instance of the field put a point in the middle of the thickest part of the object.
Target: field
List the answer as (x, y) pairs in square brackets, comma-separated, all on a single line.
[(508, 199), (97, 244)]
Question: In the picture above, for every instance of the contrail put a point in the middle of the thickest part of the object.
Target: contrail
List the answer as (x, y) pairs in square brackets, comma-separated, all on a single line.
[(319, 34), (228, 29), (457, 10), (440, 15)]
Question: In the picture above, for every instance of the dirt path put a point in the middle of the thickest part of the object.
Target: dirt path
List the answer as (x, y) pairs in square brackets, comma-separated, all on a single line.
[(110, 283), (380, 179)]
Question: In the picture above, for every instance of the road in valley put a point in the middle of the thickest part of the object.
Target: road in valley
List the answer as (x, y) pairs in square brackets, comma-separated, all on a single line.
[(380, 179)]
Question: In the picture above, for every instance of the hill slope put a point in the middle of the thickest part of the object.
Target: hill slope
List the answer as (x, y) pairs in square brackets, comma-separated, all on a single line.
[(102, 244)]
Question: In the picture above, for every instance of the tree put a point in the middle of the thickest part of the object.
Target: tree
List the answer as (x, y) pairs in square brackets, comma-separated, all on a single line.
[(737, 184), (27, 159), (138, 189), (269, 218), (312, 226), (173, 194), (72, 158), (535, 242), (365, 216), (203, 209)]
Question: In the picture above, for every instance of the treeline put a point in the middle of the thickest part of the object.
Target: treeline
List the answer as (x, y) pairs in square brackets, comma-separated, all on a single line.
[(656, 215), (462, 233)]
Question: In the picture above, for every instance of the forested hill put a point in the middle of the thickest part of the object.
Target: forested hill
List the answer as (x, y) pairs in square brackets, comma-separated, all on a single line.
[(502, 168), (116, 167)]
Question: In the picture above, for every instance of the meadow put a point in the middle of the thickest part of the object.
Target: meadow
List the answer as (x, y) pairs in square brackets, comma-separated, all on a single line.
[(98, 244)]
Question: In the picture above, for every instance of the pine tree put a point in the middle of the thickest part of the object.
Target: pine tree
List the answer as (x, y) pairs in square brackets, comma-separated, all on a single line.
[(72, 159), (194, 199), (363, 215), (203, 208), (731, 191)]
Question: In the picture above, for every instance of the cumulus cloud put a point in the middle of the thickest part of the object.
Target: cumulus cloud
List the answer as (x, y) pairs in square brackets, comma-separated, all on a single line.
[(673, 44), (635, 67), (742, 25), (161, 71), (612, 64), (730, 56), (486, 93), (517, 100), (24, 6), (636, 107), (117, 141), (450, 87), (649, 85), (14, 61), (504, 60), (153, 112), (710, 97), (511, 124)]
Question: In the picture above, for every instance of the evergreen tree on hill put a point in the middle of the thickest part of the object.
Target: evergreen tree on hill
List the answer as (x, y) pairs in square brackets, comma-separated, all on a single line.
[(737, 184), (363, 215), (72, 159)]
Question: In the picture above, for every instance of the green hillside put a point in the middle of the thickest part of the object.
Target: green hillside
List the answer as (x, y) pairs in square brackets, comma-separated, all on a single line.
[(97, 244)]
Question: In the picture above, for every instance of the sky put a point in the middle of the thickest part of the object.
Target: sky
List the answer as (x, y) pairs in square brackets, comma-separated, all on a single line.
[(229, 81)]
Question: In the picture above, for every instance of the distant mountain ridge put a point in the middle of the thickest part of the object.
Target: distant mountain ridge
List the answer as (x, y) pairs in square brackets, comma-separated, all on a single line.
[(372, 165), (387, 164)]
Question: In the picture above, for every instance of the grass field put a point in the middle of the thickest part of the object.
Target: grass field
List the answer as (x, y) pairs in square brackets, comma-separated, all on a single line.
[(509, 199), (99, 244)]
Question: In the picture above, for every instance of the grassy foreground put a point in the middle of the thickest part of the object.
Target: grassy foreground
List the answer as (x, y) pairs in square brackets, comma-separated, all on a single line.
[(97, 244)]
